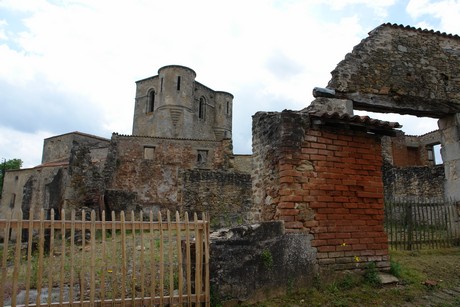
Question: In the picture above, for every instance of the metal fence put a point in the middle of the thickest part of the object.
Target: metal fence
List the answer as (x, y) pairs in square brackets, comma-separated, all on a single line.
[(131, 260), (421, 224)]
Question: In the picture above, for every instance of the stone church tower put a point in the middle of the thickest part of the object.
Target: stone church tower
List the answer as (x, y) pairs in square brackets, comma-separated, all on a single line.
[(173, 105)]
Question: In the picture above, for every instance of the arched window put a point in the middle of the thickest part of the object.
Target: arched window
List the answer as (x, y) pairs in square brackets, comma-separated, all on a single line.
[(202, 108), (151, 102)]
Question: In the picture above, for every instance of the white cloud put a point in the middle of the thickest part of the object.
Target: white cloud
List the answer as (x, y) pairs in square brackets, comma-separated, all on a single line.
[(20, 145), (269, 54), (3, 35), (446, 11)]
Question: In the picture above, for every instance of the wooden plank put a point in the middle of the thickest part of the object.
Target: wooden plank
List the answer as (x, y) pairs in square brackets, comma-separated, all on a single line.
[(29, 261), (40, 256), (152, 258), (188, 260), (137, 225), (93, 258), (198, 256), (6, 232), (50, 257), (104, 256), (142, 260), (17, 258), (179, 260), (62, 262), (119, 302), (207, 293), (72, 255), (123, 258), (423, 231), (133, 274), (417, 226), (431, 208), (161, 251), (170, 255), (82, 262), (113, 270)]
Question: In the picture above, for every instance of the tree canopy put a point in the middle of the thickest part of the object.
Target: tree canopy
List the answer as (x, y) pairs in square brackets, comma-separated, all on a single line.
[(5, 166)]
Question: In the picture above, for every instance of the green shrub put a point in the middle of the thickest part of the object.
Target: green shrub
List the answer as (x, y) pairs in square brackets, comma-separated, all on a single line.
[(395, 269), (371, 275)]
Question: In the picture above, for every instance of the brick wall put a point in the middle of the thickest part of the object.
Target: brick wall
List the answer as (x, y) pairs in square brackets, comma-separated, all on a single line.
[(346, 193), (330, 185)]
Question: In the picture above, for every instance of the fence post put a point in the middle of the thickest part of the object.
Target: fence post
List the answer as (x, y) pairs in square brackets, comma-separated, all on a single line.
[(409, 225)]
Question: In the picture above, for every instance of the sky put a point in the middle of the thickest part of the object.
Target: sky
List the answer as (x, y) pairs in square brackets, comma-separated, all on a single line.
[(71, 65)]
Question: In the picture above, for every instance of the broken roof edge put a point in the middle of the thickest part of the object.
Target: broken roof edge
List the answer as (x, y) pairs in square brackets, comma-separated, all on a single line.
[(78, 133), (410, 28), (358, 119)]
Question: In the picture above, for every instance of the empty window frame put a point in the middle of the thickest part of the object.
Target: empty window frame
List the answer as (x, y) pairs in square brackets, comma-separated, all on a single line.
[(149, 152), (151, 101), (178, 83), (202, 158), (202, 108)]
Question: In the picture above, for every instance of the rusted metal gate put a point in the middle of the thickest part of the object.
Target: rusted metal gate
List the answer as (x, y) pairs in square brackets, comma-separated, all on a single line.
[(131, 260)]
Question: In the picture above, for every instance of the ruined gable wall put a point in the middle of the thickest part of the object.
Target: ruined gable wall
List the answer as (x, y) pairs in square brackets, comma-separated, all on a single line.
[(415, 68), (327, 182), (58, 148)]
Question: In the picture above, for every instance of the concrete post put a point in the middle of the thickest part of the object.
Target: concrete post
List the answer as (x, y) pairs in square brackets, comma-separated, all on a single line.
[(449, 127)]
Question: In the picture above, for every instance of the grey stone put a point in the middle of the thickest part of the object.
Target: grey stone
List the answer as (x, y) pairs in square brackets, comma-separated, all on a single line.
[(386, 278)]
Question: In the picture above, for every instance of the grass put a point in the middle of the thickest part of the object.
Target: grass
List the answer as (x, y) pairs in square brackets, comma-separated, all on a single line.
[(352, 289)]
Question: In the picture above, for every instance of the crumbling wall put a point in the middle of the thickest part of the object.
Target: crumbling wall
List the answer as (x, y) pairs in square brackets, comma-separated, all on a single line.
[(402, 70), (178, 174), (86, 184), (421, 182), (329, 184), (225, 196), (255, 262)]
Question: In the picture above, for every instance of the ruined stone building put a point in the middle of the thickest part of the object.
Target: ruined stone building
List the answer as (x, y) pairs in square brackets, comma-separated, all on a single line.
[(323, 171), (178, 157)]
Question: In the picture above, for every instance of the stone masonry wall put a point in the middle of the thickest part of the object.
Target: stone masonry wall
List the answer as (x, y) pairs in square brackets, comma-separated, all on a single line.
[(152, 174), (420, 182), (330, 185), (225, 196), (416, 69)]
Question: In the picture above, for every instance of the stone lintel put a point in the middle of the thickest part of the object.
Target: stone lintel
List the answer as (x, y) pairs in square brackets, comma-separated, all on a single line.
[(402, 104)]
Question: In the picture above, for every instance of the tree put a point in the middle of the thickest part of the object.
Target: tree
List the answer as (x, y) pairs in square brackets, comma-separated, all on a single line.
[(8, 165)]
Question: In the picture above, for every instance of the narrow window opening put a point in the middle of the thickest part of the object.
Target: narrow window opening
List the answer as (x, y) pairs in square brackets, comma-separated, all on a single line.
[(161, 85), (151, 102), (202, 158), (178, 83), (228, 107), (13, 200), (202, 108)]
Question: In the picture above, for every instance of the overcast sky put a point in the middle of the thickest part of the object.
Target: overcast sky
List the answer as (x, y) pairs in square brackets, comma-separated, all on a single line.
[(72, 65)]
